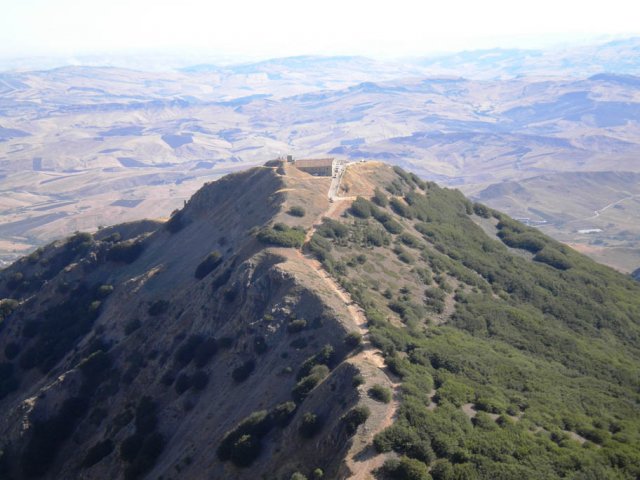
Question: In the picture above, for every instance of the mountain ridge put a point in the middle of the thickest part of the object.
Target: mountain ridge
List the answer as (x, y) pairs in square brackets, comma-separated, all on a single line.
[(264, 329)]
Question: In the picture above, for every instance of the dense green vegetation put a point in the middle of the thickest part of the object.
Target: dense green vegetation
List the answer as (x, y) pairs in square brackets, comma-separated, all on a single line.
[(406, 468), (282, 235), (544, 345), (380, 393), (48, 339), (243, 444), (297, 211), (126, 252), (41, 267), (355, 417)]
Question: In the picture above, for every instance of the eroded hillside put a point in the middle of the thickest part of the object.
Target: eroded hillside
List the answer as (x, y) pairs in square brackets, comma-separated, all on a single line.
[(137, 351), (265, 331)]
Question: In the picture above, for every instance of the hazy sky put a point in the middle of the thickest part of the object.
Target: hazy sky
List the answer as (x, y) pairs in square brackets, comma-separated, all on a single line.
[(291, 27)]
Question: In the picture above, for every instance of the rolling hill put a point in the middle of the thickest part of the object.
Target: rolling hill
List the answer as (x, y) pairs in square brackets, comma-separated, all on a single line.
[(83, 147), (594, 212)]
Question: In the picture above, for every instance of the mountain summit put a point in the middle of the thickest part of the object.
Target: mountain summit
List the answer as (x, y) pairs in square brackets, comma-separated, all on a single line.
[(283, 325)]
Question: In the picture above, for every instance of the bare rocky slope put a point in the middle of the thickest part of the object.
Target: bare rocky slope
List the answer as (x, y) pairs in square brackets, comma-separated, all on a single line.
[(264, 331), (134, 351)]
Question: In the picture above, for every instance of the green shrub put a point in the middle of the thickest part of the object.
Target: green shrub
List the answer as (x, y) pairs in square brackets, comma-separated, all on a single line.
[(353, 339), (296, 211), (208, 265), (442, 470), (79, 242), (245, 450), (126, 252), (481, 210), (15, 281), (282, 414), (242, 444), (282, 235), (320, 247), (354, 418), (7, 307), (57, 330), (434, 298), (380, 393), (188, 349), (554, 258), (357, 380), (395, 187), (297, 325), (379, 198), (392, 226), (375, 237), (405, 256), (406, 469), (105, 290), (309, 382), (221, 279), (410, 241), (516, 235), (361, 208), (332, 229), (325, 356), (311, 425), (176, 222), (401, 208)]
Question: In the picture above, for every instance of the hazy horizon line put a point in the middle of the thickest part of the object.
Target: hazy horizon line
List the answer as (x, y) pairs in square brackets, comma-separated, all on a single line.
[(180, 58)]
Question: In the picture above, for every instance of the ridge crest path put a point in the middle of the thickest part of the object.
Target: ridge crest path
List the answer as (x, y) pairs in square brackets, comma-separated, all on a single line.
[(360, 464)]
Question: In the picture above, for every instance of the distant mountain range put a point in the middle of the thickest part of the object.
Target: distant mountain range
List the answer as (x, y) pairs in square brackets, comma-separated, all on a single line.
[(620, 56)]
